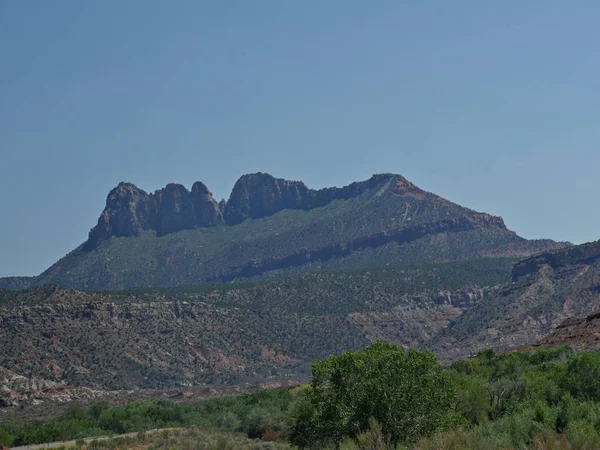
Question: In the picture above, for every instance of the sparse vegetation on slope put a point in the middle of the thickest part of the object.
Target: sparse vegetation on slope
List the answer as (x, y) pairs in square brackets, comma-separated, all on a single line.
[(230, 334), (530, 306)]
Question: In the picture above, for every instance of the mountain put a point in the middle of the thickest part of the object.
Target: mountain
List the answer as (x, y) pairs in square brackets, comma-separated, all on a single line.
[(272, 227), (230, 334), (544, 291)]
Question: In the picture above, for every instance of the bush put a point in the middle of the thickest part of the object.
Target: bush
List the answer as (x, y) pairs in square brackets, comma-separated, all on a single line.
[(406, 392), (582, 377)]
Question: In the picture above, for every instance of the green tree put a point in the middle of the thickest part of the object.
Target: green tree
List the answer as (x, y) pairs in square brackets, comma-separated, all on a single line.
[(471, 399), (6, 438), (582, 377), (406, 392)]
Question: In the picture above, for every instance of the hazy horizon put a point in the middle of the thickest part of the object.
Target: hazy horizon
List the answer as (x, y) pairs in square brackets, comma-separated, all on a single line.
[(492, 106)]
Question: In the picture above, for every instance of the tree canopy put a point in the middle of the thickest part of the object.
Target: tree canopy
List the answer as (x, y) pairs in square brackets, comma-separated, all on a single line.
[(406, 392)]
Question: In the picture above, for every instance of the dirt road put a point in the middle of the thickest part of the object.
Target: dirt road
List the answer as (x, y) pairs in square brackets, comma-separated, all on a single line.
[(88, 440)]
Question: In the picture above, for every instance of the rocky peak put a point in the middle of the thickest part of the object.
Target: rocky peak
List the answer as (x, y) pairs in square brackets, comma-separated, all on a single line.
[(126, 214), (199, 189), (130, 210), (222, 205), (260, 194)]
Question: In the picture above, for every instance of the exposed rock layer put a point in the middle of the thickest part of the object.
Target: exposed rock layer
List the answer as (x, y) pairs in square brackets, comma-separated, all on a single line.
[(546, 290), (17, 390), (130, 210), (260, 195), (223, 336), (580, 254)]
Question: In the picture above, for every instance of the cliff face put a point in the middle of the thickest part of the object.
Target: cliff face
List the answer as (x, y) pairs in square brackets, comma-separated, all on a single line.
[(545, 290), (580, 254), (579, 333), (17, 390), (260, 195), (130, 210)]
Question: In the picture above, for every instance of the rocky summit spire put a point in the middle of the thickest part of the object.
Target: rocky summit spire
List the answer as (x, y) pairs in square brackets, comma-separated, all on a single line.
[(130, 210)]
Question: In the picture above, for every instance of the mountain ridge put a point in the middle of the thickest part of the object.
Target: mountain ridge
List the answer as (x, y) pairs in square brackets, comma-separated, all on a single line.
[(130, 210), (273, 227)]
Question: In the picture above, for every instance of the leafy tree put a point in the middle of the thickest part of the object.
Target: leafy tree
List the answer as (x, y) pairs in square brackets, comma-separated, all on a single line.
[(406, 392), (471, 399), (582, 376), (6, 438)]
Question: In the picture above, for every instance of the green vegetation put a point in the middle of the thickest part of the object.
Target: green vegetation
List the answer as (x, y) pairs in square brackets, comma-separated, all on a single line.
[(379, 398), (303, 292), (262, 414), (193, 438), (272, 330), (406, 392), (338, 284)]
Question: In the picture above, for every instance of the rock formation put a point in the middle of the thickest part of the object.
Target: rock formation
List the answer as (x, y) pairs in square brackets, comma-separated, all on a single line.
[(130, 210)]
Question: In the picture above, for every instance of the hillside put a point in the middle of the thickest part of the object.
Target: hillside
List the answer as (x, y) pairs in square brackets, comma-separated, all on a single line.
[(16, 390), (271, 227), (230, 334), (544, 291), (578, 333)]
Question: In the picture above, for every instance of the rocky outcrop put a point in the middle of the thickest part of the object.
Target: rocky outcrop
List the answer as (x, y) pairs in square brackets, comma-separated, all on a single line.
[(547, 291), (130, 210), (177, 209), (224, 335), (127, 213), (578, 333), (365, 224), (260, 195), (17, 390), (580, 254)]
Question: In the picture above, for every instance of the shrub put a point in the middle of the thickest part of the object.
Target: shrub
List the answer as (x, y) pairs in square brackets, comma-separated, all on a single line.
[(582, 377), (406, 392)]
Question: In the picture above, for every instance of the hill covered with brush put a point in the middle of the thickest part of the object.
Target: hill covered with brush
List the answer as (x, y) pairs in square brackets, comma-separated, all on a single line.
[(544, 291), (230, 334)]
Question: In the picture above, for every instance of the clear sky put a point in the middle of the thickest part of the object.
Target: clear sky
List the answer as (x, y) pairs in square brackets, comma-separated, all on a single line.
[(493, 105)]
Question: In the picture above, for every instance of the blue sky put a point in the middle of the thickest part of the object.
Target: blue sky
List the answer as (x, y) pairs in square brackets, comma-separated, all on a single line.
[(494, 105)]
